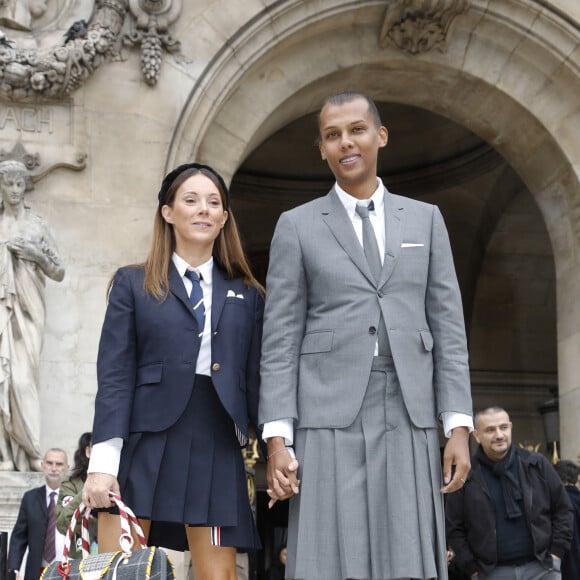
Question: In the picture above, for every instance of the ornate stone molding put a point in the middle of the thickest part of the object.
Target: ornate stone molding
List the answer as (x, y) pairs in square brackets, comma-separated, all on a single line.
[(30, 75), (35, 75), (152, 20), (32, 163), (417, 26)]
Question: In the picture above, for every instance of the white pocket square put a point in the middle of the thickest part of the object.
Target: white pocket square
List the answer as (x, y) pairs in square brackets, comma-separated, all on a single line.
[(232, 294), (410, 245)]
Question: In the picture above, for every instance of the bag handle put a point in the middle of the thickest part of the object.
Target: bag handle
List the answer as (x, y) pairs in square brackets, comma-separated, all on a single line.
[(125, 539)]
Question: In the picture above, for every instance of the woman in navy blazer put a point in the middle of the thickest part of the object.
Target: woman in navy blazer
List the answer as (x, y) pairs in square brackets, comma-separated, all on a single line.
[(177, 389)]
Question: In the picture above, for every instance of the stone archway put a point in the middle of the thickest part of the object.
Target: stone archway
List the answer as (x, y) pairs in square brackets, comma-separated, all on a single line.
[(510, 73)]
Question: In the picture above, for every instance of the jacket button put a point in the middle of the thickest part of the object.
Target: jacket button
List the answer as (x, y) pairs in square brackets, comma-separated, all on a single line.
[(380, 294), (372, 330), (215, 367)]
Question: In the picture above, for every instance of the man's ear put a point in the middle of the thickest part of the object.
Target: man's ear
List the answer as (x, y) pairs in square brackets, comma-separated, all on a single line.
[(383, 136), (475, 435)]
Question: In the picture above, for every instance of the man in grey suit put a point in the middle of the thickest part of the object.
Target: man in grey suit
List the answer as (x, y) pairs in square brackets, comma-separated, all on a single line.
[(364, 352)]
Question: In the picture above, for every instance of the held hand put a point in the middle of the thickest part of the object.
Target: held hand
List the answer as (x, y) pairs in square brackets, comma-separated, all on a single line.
[(456, 455), (96, 490), (282, 471)]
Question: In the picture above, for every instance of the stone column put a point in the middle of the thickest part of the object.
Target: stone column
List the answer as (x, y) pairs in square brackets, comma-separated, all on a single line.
[(568, 296)]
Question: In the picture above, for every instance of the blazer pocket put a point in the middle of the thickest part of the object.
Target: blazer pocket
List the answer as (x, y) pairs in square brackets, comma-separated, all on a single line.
[(149, 374), (317, 341), (427, 339)]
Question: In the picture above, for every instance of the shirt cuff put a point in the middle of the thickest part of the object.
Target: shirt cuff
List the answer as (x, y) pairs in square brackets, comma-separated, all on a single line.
[(105, 456), (451, 419), (279, 428)]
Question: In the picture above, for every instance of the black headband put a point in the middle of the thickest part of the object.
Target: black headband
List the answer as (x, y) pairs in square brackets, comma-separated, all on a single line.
[(172, 176)]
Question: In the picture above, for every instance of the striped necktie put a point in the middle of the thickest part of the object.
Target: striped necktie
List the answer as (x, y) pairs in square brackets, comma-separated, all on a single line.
[(49, 553), (196, 299)]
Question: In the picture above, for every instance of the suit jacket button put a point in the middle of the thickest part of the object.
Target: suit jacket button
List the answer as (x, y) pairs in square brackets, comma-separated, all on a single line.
[(380, 294), (372, 330), (215, 367)]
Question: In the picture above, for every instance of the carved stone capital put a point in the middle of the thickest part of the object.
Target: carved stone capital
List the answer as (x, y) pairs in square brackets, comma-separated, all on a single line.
[(150, 31), (417, 26)]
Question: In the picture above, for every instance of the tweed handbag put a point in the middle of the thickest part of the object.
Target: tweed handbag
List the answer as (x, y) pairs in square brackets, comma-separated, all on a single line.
[(147, 563)]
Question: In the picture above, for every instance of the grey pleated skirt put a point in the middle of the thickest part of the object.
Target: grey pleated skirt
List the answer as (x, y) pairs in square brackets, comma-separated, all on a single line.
[(369, 505)]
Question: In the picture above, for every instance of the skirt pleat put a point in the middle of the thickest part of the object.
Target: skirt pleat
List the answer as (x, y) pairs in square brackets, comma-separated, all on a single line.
[(192, 474), (369, 505)]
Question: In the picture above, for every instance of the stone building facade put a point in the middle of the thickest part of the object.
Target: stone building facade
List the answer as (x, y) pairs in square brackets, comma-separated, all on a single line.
[(481, 99)]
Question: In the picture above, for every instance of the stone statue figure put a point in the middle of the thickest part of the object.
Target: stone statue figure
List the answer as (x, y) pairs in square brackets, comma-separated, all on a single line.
[(27, 254), (18, 14)]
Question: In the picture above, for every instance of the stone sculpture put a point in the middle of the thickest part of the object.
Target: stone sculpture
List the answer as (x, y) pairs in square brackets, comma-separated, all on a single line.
[(28, 253)]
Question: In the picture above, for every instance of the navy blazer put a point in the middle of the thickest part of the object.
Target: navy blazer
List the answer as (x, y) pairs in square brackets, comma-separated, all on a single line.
[(29, 532), (149, 348)]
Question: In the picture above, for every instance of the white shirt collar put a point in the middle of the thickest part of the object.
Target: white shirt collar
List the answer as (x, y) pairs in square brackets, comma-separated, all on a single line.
[(49, 490), (350, 201), (204, 269)]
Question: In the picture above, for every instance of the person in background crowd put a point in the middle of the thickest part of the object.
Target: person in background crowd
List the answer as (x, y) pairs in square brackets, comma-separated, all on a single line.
[(569, 471), (277, 570), (70, 496), (512, 520), (35, 527)]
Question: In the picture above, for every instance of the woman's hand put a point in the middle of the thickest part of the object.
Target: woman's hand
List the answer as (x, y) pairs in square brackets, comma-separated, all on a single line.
[(96, 490), (282, 472)]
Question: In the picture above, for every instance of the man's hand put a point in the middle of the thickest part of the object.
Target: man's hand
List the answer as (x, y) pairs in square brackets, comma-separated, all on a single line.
[(282, 471), (456, 455), (96, 490)]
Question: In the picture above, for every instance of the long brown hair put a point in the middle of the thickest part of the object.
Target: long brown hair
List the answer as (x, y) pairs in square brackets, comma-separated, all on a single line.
[(227, 252)]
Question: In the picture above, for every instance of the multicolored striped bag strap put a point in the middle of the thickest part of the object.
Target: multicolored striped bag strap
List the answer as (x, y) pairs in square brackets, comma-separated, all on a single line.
[(126, 541)]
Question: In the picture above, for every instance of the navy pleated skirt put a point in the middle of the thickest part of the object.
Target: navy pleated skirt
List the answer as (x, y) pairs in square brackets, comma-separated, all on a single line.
[(192, 474)]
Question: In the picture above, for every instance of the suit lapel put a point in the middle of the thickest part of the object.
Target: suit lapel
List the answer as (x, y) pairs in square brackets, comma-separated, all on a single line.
[(342, 229), (41, 497), (177, 288), (394, 227), (218, 296)]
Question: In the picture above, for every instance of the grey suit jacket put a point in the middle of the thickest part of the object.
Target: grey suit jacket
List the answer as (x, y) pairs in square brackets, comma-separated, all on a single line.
[(323, 308)]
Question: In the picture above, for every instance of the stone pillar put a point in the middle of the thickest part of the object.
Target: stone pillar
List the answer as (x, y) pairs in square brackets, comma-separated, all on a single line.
[(568, 293)]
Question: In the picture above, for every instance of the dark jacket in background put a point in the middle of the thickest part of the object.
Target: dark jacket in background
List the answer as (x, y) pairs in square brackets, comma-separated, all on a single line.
[(571, 561), (29, 532), (470, 515)]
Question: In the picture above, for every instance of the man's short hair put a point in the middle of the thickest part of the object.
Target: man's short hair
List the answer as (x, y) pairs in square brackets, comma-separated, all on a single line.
[(348, 97), (568, 471), (488, 411), (55, 450)]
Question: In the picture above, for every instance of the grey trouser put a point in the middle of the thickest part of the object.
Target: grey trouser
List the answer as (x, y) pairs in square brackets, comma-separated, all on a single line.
[(529, 571)]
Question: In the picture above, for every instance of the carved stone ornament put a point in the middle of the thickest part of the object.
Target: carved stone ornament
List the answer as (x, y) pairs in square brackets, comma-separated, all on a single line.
[(31, 75), (152, 20), (32, 163), (417, 26)]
